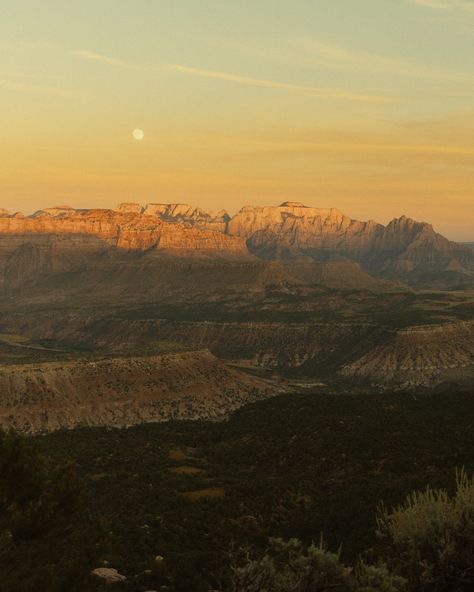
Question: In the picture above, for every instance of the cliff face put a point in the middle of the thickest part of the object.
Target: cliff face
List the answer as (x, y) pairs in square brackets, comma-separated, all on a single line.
[(63, 239), (129, 230), (189, 215), (121, 392), (306, 229), (403, 249)]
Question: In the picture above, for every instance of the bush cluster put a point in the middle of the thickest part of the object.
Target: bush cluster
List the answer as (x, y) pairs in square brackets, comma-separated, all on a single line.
[(426, 544)]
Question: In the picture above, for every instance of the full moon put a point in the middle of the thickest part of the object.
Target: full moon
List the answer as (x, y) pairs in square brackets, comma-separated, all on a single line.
[(138, 134)]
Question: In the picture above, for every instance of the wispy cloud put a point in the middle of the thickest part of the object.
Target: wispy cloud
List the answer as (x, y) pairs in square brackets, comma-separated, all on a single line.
[(320, 93), (342, 55), (337, 56), (464, 5), (103, 59)]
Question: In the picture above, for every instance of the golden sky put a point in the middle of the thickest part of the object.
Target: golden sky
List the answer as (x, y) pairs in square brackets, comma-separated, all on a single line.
[(365, 106)]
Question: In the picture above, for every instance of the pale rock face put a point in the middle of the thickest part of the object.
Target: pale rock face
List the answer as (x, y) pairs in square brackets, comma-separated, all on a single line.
[(296, 225), (61, 240), (54, 212), (4, 212), (129, 208), (291, 231), (294, 231), (292, 204), (189, 215), (127, 230), (108, 575)]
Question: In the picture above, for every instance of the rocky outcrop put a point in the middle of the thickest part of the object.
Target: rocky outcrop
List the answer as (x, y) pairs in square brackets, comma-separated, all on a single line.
[(122, 392), (129, 207), (423, 356), (189, 215), (128, 230), (62, 239), (307, 229), (108, 575), (403, 247)]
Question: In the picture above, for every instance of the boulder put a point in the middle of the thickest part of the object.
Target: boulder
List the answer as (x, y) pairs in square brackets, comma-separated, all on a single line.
[(108, 575)]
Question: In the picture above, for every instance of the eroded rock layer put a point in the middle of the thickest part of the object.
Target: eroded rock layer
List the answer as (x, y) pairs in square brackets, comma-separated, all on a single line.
[(403, 249), (424, 356), (121, 392)]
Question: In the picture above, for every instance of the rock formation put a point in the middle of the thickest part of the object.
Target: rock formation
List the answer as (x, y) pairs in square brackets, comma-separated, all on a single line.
[(189, 215), (404, 249), (125, 229), (108, 575), (401, 248), (121, 392)]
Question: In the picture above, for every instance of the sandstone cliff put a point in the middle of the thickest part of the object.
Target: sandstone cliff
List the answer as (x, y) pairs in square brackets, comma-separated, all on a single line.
[(129, 230), (122, 392), (55, 238), (307, 229), (403, 248), (189, 215), (62, 239)]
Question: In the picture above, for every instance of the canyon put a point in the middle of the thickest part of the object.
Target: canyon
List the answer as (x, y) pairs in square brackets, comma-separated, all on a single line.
[(166, 311)]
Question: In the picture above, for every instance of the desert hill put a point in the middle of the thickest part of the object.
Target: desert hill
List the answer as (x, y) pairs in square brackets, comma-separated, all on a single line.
[(423, 356), (122, 392)]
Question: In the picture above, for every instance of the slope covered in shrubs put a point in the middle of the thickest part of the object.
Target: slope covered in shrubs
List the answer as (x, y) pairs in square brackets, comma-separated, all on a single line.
[(288, 468)]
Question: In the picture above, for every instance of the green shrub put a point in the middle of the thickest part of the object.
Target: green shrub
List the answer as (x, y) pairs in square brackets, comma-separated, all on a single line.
[(290, 566), (377, 578), (430, 538)]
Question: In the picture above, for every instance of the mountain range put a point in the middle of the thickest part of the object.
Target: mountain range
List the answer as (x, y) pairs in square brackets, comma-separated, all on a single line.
[(62, 238)]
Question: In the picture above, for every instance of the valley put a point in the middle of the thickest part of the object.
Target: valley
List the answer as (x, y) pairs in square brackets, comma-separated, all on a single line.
[(193, 383), (236, 321)]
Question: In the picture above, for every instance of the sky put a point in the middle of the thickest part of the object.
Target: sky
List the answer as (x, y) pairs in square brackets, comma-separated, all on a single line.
[(362, 105)]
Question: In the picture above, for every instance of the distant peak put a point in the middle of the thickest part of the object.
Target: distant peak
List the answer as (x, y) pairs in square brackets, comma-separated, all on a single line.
[(292, 204), (129, 207), (54, 211)]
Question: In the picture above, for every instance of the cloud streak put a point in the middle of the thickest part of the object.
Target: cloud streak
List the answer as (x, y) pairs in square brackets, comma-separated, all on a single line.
[(90, 56), (316, 92), (337, 56), (320, 93)]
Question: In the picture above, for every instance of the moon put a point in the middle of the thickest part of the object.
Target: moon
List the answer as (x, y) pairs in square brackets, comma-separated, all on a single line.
[(138, 134)]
